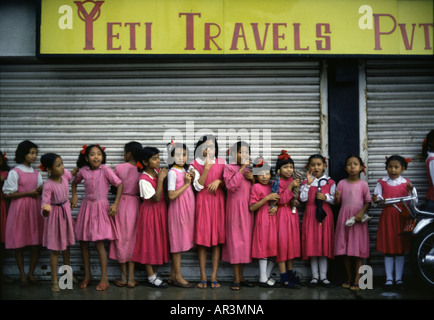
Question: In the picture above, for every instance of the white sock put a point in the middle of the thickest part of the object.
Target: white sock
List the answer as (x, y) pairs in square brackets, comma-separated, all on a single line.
[(314, 267), (399, 268), (263, 270), (388, 265), (270, 267), (152, 278), (322, 261)]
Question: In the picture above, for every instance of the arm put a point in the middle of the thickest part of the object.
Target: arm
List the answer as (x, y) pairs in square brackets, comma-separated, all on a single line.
[(173, 194), (74, 198), (271, 197), (159, 191), (114, 207)]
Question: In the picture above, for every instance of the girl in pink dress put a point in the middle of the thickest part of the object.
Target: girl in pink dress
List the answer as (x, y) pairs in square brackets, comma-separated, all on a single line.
[(152, 242), (181, 212), (94, 222), (122, 248), (352, 241), (24, 224), (210, 205), (58, 229), (317, 234), (238, 178), (288, 222), (4, 206), (390, 240), (428, 153), (264, 243)]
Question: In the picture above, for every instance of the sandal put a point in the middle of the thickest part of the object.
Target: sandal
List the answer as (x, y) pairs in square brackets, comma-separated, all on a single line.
[(119, 283), (346, 285), (355, 287), (203, 284), (102, 286), (215, 285), (84, 284), (235, 286), (135, 283), (55, 286)]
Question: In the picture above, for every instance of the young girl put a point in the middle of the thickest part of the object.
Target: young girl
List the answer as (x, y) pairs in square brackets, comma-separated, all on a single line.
[(152, 242), (239, 220), (4, 206), (392, 222), (428, 153), (122, 248), (317, 236), (181, 212), (264, 243), (288, 222), (58, 230), (210, 205), (94, 222), (352, 242), (24, 224)]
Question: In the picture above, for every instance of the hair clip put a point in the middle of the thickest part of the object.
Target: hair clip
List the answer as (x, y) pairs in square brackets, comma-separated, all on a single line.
[(42, 167), (408, 160), (284, 155), (103, 149), (364, 167), (83, 151), (4, 156), (139, 165)]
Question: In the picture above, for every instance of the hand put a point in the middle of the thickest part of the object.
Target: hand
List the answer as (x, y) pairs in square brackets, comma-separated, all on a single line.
[(272, 196), (294, 202), (192, 174), (46, 209), (74, 201), (409, 186), (187, 178), (374, 198), (162, 174), (321, 196), (272, 211), (359, 216), (34, 193), (309, 177), (208, 163), (248, 175), (113, 209), (213, 186), (295, 183), (338, 195)]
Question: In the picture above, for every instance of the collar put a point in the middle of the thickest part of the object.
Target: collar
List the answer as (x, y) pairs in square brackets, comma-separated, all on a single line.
[(398, 180)]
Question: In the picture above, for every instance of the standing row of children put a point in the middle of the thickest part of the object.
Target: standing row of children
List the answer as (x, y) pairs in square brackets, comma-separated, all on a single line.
[(230, 208)]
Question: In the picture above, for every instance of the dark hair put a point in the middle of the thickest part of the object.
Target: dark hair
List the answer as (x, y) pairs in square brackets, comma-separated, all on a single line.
[(428, 145), (47, 160), (134, 148), (23, 149), (316, 156), (84, 153), (398, 158), (236, 147), (283, 160), (202, 140), (171, 153), (4, 166), (145, 154)]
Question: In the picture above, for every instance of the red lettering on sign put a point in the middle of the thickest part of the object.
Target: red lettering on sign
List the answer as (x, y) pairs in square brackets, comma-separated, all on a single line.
[(189, 29), (89, 18)]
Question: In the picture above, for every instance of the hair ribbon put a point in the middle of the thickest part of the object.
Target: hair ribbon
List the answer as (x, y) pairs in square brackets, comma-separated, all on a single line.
[(83, 151), (139, 165), (284, 155)]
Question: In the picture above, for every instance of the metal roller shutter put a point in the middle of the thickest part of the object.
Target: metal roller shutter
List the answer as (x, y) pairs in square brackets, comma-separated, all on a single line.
[(400, 112), (61, 107)]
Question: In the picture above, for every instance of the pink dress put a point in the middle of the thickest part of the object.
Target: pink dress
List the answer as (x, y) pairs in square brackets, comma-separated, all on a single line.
[(391, 223), (4, 206), (126, 219), (93, 222), (352, 241), (210, 208), (264, 243), (181, 214), (317, 238), (58, 229), (288, 225), (152, 242), (239, 220), (24, 224)]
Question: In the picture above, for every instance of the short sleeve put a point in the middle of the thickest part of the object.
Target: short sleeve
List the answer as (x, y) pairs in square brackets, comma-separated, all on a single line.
[(11, 183), (171, 180), (254, 195), (79, 176), (111, 176), (146, 189)]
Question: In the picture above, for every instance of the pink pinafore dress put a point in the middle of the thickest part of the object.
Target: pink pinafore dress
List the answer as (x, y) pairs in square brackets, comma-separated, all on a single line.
[(4, 207), (152, 241), (24, 224)]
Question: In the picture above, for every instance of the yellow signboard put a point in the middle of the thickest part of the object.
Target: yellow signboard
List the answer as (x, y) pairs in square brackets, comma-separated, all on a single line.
[(224, 27)]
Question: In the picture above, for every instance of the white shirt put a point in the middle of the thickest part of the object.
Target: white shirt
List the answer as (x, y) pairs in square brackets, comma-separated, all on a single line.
[(147, 191), (11, 183), (304, 190), (391, 182)]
